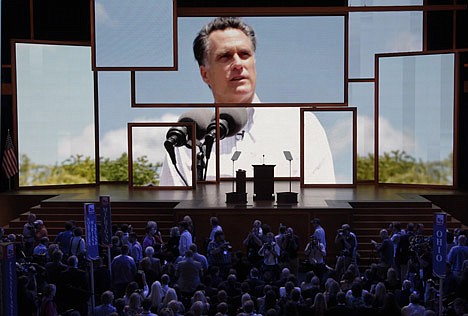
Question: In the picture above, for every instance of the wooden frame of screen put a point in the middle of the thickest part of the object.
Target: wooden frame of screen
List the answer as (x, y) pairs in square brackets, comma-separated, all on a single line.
[(15, 109), (455, 118), (174, 45), (354, 136), (130, 127)]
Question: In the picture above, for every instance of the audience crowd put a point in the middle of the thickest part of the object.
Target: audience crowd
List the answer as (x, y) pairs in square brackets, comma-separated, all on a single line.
[(275, 274)]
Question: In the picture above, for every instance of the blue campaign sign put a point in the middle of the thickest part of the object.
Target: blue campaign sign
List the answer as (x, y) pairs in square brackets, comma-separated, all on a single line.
[(8, 277), (106, 220), (91, 231), (439, 249)]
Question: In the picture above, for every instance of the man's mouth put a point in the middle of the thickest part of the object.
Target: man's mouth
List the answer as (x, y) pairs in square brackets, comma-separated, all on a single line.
[(237, 78)]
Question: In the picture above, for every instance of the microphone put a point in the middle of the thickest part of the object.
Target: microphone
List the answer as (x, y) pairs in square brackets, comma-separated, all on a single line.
[(231, 121), (178, 136)]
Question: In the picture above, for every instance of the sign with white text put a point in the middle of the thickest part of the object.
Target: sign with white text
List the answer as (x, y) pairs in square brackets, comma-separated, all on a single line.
[(8, 277), (439, 248), (91, 231), (106, 220)]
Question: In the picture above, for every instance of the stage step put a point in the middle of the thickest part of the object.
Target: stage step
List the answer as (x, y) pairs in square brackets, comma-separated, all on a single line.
[(137, 214)]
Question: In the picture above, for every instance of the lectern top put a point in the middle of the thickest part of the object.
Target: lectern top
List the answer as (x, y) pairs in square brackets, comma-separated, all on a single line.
[(263, 165)]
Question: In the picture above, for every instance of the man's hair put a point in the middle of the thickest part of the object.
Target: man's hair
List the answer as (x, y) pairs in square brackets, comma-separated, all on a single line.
[(249, 306), (107, 297), (78, 232), (124, 250), (68, 225), (193, 247), (414, 298), (341, 297), (72, 261), (214, 221), (200, 44), (218, 233), (183, 225)]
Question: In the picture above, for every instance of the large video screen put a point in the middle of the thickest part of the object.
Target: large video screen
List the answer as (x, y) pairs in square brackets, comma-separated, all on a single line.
[(416, 119), (305, 66), (55, 107)]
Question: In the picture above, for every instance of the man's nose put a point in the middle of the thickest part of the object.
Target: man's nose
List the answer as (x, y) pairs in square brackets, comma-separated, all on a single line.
[(236, 62)]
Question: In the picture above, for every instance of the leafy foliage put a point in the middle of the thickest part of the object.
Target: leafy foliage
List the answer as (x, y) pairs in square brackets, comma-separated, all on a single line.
[(394, 167), (78, 169), (399, 167)]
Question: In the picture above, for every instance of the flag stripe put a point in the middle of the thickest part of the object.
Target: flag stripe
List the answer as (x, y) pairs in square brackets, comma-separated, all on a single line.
[(9, 163)]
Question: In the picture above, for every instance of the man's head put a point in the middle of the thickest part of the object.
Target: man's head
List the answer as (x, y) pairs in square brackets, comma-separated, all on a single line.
[(31, 218), (183, 225), (315, 222), (124, 250), (219, 236), (214, 221), (193, 248), (462, 240), (107, 297), (270, 237), (346, 229), (225, 52), (72, 261)]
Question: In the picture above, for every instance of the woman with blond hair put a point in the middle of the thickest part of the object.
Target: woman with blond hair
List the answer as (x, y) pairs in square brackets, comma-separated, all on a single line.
[(134, 305), (199, 296), (48, 306), (332, 288), (380, 292), (156, 295), (320, 305), (171, 295)]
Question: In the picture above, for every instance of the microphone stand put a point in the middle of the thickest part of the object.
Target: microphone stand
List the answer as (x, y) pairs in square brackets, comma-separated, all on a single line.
[(202, 165)]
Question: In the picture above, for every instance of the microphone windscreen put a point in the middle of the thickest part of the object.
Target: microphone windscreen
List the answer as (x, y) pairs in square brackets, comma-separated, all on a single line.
[(236, 118), (201, 117)]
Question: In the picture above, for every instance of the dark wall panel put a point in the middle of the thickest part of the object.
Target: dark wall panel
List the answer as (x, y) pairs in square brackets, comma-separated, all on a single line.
[(15, 25), (62, 20), (440, 30)]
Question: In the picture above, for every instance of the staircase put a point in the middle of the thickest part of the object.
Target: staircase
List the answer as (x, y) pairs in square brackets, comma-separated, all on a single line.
[(367, 223), (137, 214)]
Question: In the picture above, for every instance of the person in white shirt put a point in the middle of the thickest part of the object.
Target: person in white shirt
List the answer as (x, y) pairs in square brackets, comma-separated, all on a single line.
[(270, 252), (214, 227), (319, 232), (185, 238), (225, 52)]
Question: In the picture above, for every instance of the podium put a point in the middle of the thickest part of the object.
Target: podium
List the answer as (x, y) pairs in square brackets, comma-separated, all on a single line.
[(240, 195), (264, 182)]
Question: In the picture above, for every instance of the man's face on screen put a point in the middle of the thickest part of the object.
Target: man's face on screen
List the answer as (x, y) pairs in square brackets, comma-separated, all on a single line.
[(229, 69)]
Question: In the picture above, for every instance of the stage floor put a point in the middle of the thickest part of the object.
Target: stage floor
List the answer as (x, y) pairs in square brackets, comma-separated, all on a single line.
[(208, 195)]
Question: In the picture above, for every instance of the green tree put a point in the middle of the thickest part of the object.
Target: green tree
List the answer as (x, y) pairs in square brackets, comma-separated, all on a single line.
[(114, 170), (399, 167), (78, 169)]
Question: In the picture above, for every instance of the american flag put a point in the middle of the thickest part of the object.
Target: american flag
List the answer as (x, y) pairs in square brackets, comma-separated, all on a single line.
[(9, 163)]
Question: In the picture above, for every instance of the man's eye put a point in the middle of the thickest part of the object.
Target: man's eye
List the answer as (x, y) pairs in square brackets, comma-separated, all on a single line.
[(224, 57)]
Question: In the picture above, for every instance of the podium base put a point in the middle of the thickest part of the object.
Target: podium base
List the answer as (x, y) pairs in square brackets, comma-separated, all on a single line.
[(236, 198), (286, 197), (264, 197)]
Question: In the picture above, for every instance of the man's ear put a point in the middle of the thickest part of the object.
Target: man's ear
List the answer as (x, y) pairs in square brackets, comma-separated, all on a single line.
[(204, 75)]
